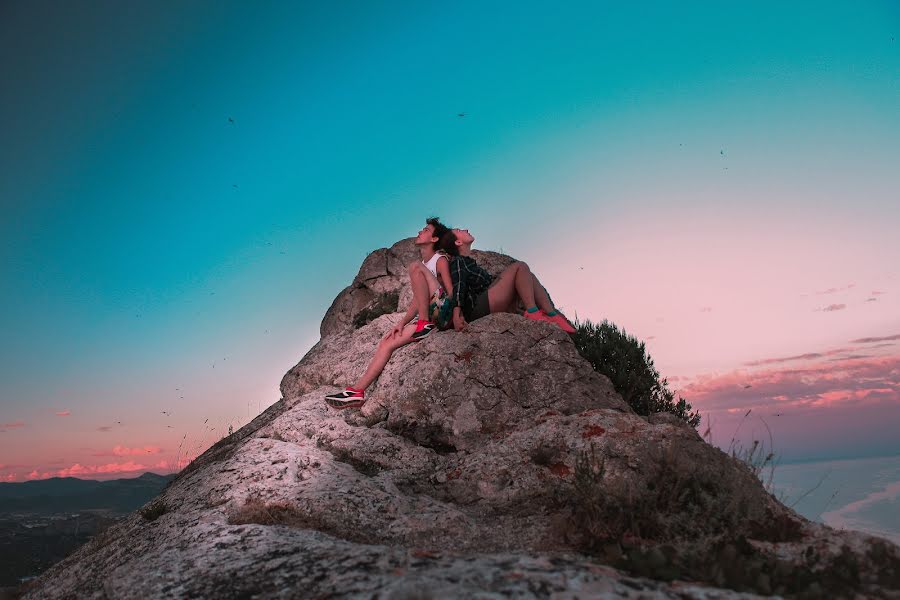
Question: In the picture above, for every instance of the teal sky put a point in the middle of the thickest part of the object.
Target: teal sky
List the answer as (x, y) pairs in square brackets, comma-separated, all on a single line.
[(188, 185)]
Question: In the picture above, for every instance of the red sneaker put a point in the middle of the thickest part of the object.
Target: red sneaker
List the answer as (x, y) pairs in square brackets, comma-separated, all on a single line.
[(561, 320), (349, 398), (423, 328)]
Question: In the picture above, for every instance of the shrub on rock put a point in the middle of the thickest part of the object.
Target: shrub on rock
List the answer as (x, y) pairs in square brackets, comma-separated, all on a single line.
[(623, 359)]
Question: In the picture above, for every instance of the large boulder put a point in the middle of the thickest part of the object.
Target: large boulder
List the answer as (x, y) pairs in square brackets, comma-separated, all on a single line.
[(383, 273), (490, 462)]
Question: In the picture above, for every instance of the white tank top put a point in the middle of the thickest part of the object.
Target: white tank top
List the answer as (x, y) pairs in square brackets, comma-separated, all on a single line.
[(432, 263)]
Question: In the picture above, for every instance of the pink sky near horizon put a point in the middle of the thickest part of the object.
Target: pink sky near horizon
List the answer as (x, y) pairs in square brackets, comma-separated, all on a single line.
[(719, 308)]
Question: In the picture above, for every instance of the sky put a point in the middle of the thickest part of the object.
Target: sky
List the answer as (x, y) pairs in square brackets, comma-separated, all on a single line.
[(186, 187)]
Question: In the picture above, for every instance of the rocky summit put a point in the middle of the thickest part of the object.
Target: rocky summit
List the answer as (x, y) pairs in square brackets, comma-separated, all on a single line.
[(492, 462)]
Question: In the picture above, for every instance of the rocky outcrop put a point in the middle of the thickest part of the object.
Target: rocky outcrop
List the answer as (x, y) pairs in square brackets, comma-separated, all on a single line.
[(384, 271), (489, 462)]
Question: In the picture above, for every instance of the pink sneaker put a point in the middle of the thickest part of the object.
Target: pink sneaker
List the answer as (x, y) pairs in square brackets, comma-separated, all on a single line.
[(561, 320), (538, 315)]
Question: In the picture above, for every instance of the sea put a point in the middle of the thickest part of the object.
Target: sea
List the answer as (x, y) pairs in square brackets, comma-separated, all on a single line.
[(861, 494)]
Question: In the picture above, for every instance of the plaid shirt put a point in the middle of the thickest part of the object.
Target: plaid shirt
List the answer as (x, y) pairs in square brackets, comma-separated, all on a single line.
[(469, 280)]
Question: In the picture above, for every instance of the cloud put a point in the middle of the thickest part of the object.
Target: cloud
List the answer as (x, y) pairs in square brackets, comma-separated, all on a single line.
[(836, 289), (833, 307), (850, 381), (877, 293), (79, 469), (869, 340), (4, 467), (125, 451), (63, 413), (105, 428), (13, 425), (706, 309), (806, 356)]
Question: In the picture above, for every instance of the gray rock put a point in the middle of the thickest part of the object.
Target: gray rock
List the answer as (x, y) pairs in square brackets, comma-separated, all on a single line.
[(484, 465), (385, 271)]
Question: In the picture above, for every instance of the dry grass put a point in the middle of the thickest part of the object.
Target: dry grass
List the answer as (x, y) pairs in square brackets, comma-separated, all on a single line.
[(154, 510), (257, 511), (694, 518)]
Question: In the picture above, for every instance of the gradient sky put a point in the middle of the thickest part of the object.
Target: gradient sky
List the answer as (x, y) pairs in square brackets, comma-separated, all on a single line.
[(185, 187)]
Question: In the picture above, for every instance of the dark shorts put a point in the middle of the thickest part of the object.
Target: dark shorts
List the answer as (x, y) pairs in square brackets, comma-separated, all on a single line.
[(482, 307)]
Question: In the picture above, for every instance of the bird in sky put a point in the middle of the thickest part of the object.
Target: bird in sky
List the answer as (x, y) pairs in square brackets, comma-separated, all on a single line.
[(460, 114), (747, 386), (230, 120)]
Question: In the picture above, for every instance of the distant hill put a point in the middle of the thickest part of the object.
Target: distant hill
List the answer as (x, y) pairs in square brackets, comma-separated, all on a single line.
[(70, 494)]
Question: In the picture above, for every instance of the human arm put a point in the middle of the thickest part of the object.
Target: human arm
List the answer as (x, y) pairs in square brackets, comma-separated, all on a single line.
[(459, 321), (443, 270), (458, 274), (458, 282)]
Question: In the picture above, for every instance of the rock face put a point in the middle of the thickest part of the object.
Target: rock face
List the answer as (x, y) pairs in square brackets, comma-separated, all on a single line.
[(491, 462), (384, 271)]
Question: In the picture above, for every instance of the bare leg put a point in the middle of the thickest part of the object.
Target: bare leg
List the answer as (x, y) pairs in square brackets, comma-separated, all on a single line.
[(423, 285), (541, 296), (420, 290), (515, 280), (382, 355)]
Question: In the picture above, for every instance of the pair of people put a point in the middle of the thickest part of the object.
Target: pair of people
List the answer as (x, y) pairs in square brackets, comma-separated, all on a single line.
[(451, 290)]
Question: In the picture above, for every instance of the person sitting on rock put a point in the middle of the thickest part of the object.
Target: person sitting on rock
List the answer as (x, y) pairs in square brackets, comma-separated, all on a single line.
[(477, 293), (431, 286)]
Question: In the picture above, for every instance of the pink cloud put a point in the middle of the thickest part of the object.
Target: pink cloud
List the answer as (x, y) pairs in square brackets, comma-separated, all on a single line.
[(125, 451), (833, 307), (79, 469), (868, 340), (14, 425), (807, 356), (63, 413), (105, 428), (834, 289), (849, 381)]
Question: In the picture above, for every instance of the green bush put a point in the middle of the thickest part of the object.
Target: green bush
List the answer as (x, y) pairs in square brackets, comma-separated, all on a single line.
[(624, 360)]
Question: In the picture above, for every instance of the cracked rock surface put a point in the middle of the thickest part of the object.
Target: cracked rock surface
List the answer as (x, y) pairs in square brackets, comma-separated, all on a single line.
[(450, 482)]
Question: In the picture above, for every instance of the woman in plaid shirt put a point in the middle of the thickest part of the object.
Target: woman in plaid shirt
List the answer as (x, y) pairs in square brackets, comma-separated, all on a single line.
[(477, 293)]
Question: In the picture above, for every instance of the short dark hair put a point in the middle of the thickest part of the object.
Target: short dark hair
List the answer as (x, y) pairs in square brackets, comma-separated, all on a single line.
[(440, 230), (447, 244)]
